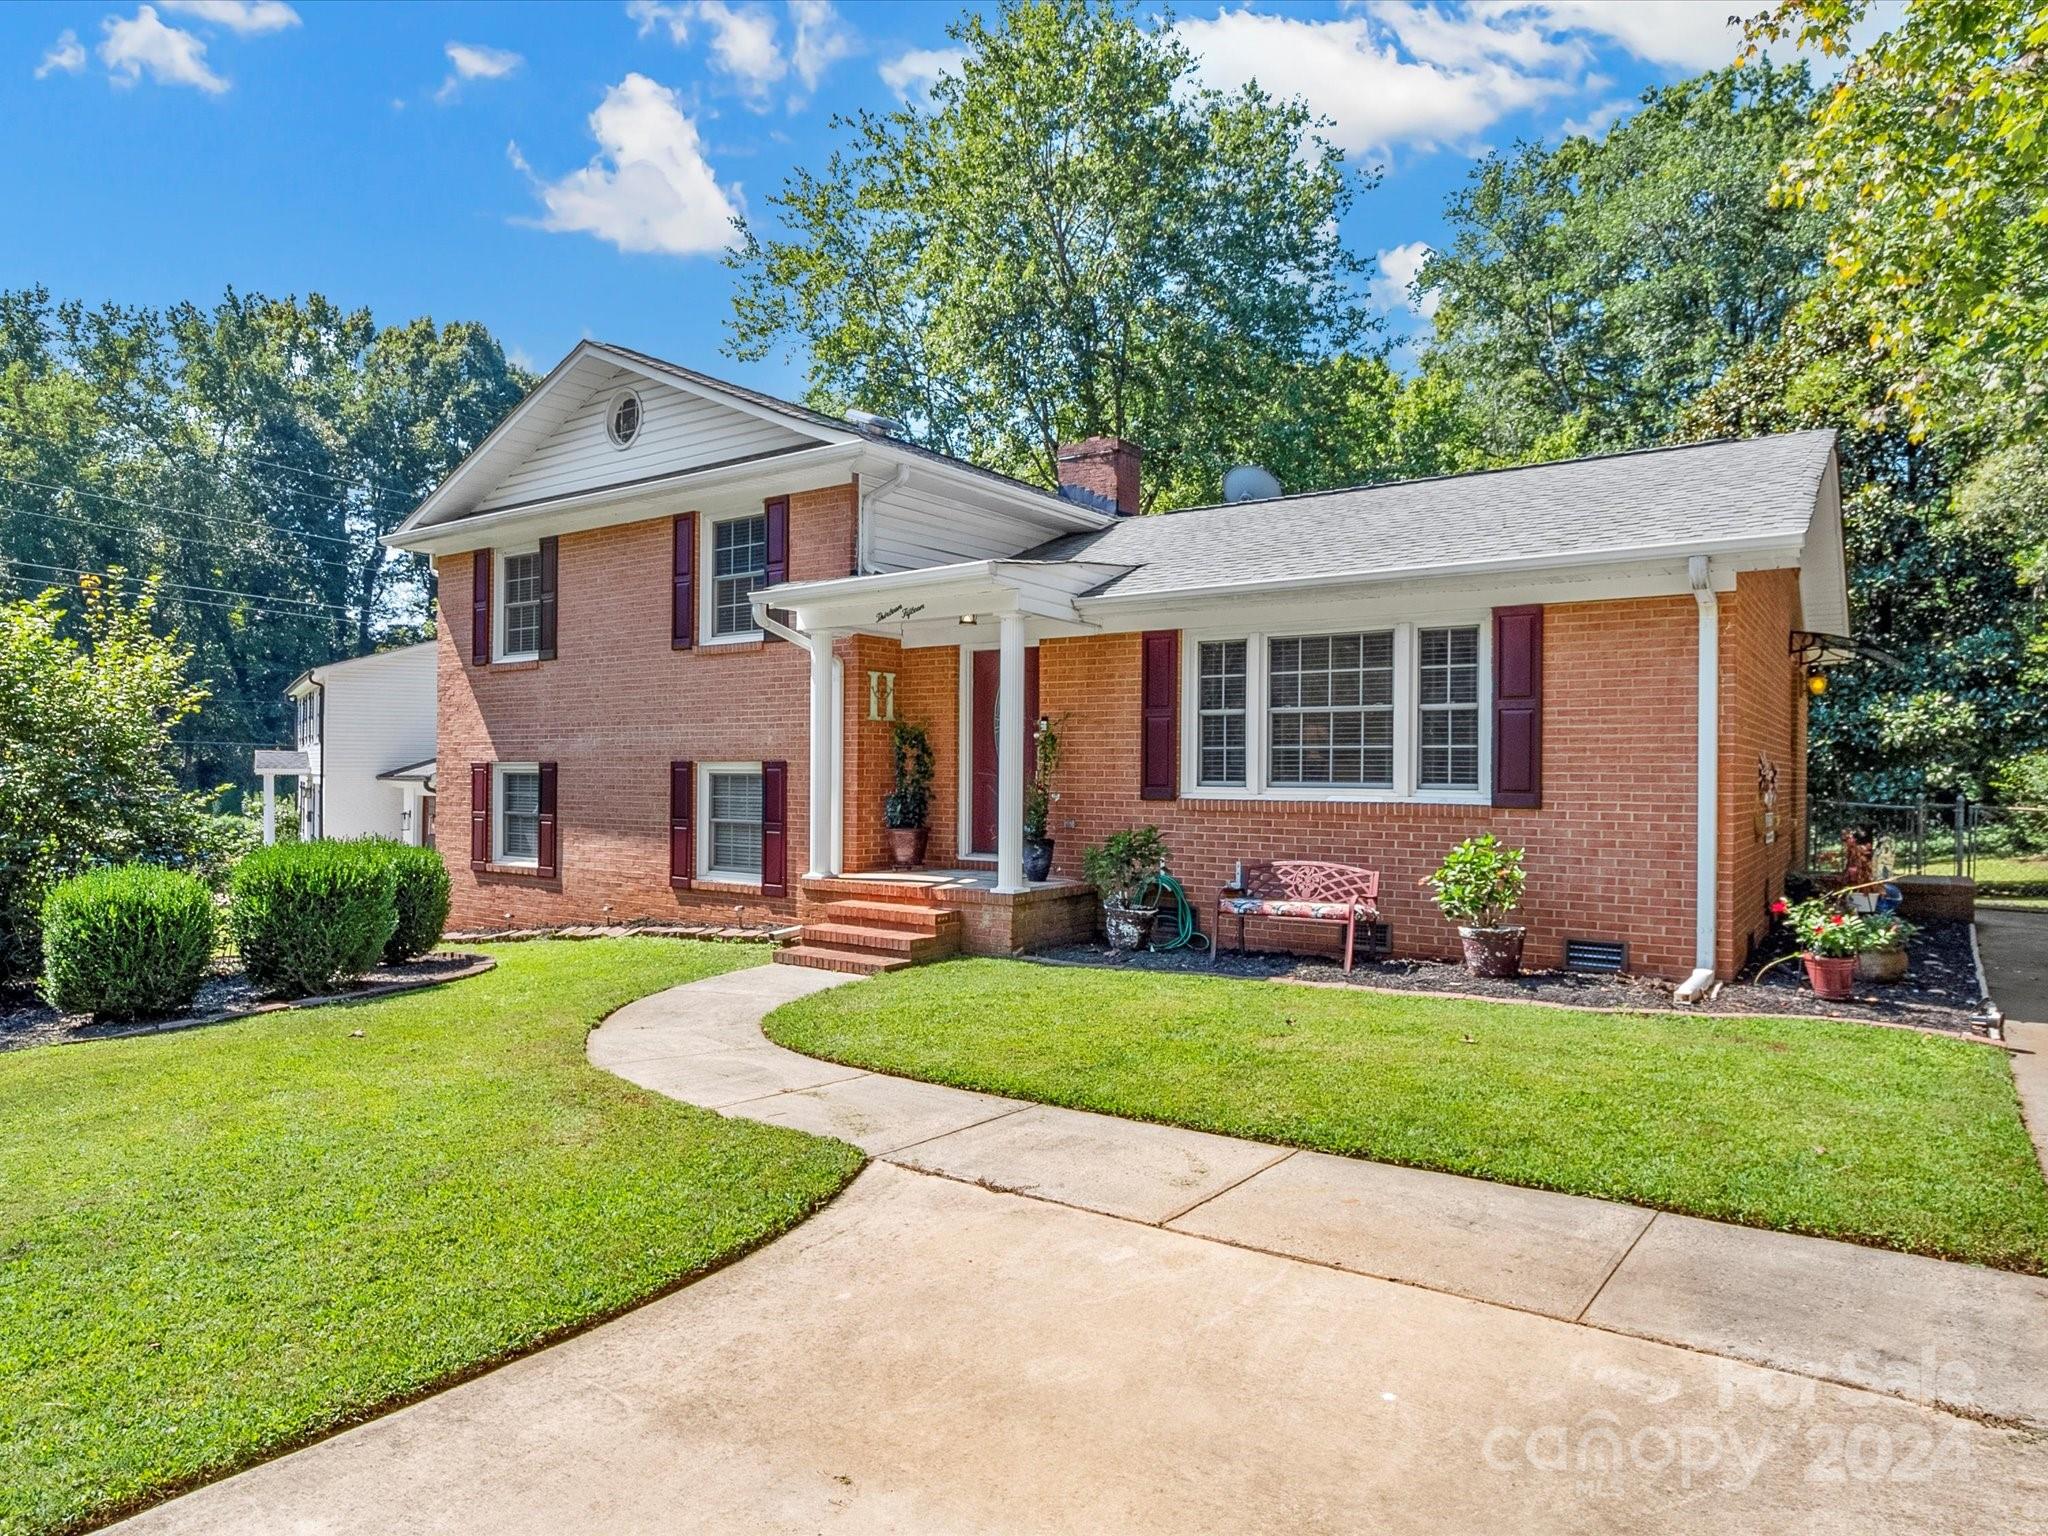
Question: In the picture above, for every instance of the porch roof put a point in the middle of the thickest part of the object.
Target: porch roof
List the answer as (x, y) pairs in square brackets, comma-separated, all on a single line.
[(893, 601)]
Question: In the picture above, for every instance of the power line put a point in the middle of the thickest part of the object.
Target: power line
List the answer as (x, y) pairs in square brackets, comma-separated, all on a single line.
[(407, 496), (258, 610), (185, 586), (169, 533), (158, 506)]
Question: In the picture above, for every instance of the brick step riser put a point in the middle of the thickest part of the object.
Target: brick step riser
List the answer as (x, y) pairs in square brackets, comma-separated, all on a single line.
[(854, 962), (886, 941), (882, 914)]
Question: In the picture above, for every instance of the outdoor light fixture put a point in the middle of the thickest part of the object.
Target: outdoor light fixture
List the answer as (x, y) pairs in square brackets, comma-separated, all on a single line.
[(968, 618), (1817, 685)]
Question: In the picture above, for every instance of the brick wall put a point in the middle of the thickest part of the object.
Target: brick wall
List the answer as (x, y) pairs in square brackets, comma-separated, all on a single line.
[(613, 709), (1610, 852), (1763, 720)]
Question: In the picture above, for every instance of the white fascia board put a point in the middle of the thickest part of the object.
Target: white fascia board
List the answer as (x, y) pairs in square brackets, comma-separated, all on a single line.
[(1042, 588), (710, 389), (577, 511), (1040, 508)]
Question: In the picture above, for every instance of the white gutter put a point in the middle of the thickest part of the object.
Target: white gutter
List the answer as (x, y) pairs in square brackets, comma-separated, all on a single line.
[(776, 627), (864, 528), (1706, 880)]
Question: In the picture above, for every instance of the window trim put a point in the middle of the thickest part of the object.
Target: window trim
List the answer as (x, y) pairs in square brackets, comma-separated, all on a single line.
[(700, 831), (501, 604), (1478, 706), (611, 413), (1407, 713), (707, 580), (499, 816)]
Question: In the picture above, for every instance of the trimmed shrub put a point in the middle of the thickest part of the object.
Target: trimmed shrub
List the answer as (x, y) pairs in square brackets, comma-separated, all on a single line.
[(307, 916), (422, 898), (126, 942)]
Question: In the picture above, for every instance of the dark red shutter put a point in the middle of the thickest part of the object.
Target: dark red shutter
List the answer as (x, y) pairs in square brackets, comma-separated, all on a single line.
[(778, 547), (545, 859), (550, 567), (1159, 703), (480, 608), (775, 829), (683, 598), (682, 834), (479, 815), (1518, 706)]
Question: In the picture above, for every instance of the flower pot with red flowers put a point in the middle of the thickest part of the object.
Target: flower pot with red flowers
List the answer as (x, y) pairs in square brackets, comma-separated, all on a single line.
[(1477, 886), (1829, 942)]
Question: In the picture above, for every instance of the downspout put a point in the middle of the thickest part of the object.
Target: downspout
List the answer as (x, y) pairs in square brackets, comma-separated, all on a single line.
[(780, 630), (1699, 571)]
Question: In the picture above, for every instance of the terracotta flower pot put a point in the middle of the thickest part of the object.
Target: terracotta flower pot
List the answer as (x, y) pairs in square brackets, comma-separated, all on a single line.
[(906, 846), (1495, 952), (1833, 976), (1037, 858), (1886, 967), (1128, 927)]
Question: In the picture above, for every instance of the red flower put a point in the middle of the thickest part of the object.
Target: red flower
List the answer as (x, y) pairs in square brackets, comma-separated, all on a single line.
[(1838, 919), (1778, 907)]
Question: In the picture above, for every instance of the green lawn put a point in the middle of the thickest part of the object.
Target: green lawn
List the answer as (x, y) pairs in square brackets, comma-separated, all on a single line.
[(217, 1243), (1880, 1135)]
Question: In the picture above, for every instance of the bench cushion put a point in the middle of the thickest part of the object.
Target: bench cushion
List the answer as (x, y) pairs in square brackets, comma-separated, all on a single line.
[(1255, 906)]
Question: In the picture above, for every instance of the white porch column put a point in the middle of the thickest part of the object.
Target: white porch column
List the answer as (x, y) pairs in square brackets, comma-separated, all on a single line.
[(1010, 757), (269, 809), (824, 757)]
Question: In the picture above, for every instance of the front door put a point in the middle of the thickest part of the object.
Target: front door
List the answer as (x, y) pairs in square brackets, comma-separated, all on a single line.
[(984, 792)]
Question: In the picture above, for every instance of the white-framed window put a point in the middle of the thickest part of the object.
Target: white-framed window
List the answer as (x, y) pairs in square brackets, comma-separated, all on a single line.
[(739, 566), (519, 603), (1220, 722), (515, 813), (622, 421), (729, 822), (306, 720), (1447, 661), (1373, 711)]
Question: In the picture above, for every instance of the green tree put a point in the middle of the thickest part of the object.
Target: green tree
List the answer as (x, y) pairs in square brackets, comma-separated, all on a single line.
[(87, 773), (1076, 238), (1932, 156), (1589, 290)]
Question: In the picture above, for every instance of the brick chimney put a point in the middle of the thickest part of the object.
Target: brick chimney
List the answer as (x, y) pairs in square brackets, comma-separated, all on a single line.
[(1104, 471)]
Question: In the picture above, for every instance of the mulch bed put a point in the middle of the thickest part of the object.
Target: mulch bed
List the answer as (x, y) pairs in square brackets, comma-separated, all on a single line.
[(26, 1020), (1940, 991)]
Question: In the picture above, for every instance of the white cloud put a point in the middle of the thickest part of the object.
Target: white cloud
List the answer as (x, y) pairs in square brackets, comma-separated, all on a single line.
[(66, 56), (1693, 34), (475, 61), (649, 187), (1390, 285), (920, 68), (244, 16), (1463, 38), (745, 40), (1352, 70), (142, 45), (1601, 118)]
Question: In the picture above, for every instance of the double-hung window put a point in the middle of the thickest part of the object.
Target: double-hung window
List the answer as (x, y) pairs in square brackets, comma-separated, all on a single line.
[(732, 827), (1220, 712), (1330, 710), (518, 814), (1448, 700), (739, 565), (519, 622)]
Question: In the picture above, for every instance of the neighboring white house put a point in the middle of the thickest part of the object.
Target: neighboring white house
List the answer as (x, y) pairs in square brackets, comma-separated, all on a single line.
[(363, 749)]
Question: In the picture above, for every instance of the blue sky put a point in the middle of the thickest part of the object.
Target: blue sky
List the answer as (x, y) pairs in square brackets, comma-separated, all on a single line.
[(560, 171)]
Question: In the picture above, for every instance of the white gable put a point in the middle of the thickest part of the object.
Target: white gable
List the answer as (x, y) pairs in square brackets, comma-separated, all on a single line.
[(679, 431)]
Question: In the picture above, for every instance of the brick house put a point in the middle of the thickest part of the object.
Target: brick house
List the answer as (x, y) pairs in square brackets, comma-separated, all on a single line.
[(679, 620)]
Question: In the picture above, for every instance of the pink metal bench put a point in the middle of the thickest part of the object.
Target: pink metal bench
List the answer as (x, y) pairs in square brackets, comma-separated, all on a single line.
[(1300, 891)]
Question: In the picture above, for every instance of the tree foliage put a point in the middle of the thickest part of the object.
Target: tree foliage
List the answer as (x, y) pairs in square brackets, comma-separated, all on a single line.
[(1591, 288), (251, 454), (1076, 237), (86, 760)]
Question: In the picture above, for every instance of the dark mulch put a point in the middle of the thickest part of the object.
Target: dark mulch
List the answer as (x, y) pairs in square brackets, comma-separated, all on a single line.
[(1940, 991), (27, 1020)]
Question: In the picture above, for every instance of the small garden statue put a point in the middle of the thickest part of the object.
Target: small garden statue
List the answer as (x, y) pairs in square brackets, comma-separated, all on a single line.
[(905, 807)]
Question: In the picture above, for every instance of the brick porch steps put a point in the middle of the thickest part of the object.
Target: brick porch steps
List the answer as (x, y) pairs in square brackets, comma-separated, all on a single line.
[(866, 936)]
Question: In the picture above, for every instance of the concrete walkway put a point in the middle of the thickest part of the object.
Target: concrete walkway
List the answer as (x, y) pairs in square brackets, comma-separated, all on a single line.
[(2014, 948), (1179, 1332)]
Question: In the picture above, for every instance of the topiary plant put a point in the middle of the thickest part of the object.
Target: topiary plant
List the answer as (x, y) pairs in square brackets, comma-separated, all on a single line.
[(421, 897), (128, 942), (307, 916), (906, 806)]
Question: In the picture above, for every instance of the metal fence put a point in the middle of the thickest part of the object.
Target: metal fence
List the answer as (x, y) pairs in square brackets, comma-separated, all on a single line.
[(2003, 847)]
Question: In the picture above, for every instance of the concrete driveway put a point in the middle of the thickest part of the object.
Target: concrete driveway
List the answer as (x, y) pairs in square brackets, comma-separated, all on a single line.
[(1027, 1319)]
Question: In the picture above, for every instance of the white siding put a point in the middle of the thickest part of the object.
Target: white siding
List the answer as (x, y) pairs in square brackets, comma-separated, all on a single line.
[(913, 528), (678, 431), (380, 716)]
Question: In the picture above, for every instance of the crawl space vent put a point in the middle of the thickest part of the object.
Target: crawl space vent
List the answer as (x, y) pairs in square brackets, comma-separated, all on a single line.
[(1609, 956)]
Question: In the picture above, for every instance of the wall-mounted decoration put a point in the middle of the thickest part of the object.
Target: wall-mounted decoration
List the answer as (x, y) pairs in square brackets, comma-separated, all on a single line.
[(881, 695), (1766, 799)]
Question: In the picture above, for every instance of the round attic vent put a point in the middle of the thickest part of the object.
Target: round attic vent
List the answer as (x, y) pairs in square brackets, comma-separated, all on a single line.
[(623, 425)]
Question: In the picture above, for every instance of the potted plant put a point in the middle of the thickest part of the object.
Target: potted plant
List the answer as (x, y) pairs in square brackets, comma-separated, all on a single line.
[(1829, 941), (1476, 886), (905, 807), (1038, 801), (1883, 958), (1123, 868)]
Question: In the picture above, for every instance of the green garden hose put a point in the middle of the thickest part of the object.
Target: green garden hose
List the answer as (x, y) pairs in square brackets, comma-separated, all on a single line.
[(1185, 934)]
